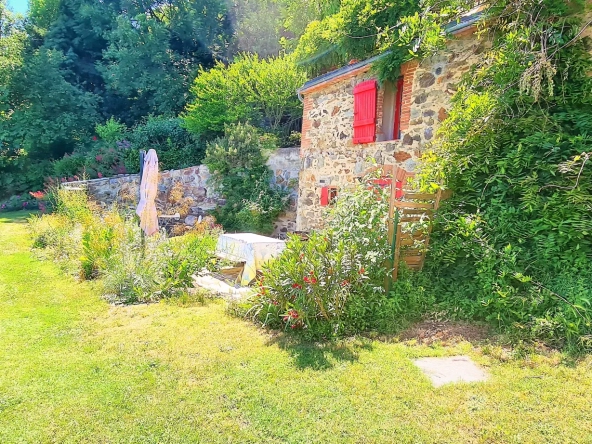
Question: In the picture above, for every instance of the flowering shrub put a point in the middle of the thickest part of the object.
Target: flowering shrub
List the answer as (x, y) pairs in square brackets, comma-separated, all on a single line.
[(332, 284)]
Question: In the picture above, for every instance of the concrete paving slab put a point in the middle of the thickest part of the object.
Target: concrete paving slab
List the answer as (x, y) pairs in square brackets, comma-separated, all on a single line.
[(221, 288), (451, 369)]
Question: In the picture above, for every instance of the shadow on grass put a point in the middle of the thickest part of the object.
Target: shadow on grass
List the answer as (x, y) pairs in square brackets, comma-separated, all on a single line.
[(321, 355)]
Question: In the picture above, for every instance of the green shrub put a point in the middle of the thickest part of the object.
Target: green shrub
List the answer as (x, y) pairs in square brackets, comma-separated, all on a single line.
[(71, 166), (19, 174), (176, 147), (260, 91), (513, 243), (112, 131), (237, 164)]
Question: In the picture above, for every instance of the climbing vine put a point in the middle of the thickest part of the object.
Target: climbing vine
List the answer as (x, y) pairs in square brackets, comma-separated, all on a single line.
[(514, 244), (358, 30)]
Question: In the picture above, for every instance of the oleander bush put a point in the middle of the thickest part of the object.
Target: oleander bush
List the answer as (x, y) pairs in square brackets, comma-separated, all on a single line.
[(333, 284)]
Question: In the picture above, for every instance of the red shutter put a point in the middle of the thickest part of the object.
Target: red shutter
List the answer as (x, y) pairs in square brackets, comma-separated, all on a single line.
[(365, 112), (324, 196)]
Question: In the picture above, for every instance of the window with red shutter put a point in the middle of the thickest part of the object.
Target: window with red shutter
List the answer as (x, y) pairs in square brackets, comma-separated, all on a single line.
[(365, 112), (398, 109), (392, 108)]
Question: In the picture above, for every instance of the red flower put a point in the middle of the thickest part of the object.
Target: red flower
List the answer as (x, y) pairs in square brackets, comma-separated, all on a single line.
[(37, 194), (362, 271), (275, 303), (295, 285), (311, 272), (94, 138), (313, 280), (292, 314), (344, 283)]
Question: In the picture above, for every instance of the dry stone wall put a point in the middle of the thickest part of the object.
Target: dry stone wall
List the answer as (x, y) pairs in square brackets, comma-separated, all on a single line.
[(329, 157), (194, 181)]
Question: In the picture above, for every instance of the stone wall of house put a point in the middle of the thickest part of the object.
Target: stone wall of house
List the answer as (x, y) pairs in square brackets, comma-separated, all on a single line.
[(329, 157), (124, 189)]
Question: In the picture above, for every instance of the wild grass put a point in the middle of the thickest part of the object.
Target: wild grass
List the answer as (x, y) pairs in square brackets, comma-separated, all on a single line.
[(92, 242), (74, 369)]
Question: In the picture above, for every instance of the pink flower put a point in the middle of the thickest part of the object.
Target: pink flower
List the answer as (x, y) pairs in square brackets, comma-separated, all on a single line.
[(76, 177), (100, 174), (98, 158), (63, 179), (94, 138), (25, 204)]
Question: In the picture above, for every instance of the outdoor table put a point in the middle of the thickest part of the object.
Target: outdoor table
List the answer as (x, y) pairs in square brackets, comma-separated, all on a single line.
[(252, 249)]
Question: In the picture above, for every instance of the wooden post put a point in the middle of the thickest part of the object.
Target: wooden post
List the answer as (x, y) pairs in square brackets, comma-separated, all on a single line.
[(142, 234)]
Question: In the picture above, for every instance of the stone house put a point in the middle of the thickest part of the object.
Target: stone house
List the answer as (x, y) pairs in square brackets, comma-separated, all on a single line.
[(349, 118)]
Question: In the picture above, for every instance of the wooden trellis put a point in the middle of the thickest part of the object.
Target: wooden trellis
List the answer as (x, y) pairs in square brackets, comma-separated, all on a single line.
[(409, 221)]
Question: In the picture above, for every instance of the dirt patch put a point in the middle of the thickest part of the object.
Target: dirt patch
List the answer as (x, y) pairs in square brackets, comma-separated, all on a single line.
[(445, 332)]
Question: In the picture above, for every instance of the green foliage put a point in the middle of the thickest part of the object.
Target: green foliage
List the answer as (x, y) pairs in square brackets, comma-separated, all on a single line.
[(298, 14), (49, 113), (237, 164), (513, 243), (77, 63), (176, 147), (18, 173), (163, 268), (257, 26), (358, 30), (112, 131), (261, 91), (332, 284)]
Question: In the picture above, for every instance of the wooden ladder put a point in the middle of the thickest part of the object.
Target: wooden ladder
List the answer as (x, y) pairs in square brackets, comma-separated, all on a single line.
[(409, 221)]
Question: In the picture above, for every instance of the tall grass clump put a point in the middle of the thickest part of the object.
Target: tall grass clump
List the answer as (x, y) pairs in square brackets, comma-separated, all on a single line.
[(107, 244)]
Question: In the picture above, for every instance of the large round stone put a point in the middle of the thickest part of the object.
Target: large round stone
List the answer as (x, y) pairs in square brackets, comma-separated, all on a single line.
[(190, 221), (427, 79)]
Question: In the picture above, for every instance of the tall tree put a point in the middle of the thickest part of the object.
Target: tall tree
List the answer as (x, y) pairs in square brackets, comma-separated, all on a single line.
[(154, 52)]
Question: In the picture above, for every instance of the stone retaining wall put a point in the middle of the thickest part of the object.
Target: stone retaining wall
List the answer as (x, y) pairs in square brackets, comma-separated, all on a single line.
[(124, 189)]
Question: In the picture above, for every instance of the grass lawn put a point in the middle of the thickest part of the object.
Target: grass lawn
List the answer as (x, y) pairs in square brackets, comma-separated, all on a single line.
[(74, 369)]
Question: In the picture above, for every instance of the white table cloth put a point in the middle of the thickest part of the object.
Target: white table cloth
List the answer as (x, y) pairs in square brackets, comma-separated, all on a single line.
[(252, 249)]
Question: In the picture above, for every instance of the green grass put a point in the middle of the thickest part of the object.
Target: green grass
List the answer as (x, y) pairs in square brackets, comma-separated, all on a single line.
[(74, 369)]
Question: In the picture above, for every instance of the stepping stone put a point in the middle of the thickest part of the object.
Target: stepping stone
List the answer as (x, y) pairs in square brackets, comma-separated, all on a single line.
[(452, 369)]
